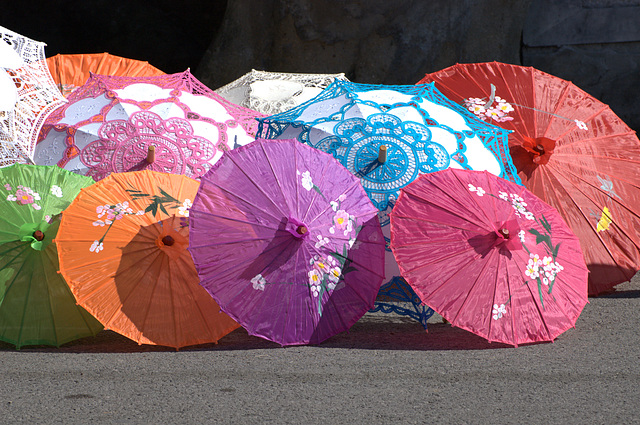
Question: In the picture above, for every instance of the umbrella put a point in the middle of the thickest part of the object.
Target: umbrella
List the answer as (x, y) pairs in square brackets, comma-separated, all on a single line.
[(287, 242), (389, 135), (169, 123), (71, 71), (489, 256), (570, 150), (36, 305), (274, 92), (123, 250), (27, 95)]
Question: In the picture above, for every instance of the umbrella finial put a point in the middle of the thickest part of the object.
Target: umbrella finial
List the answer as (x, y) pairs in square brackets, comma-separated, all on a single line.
[(151, 154), (504, 232), (168, 240), (38, 235), (302, 230), (382, 154)]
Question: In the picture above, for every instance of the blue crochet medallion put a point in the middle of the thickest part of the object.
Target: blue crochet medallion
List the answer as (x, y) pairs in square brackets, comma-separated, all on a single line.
[(422, 130)]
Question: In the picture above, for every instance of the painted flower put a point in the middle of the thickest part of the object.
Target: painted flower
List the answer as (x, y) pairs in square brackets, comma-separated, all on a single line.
[(307, 182), (8, 187), (314, 282), (321, 266), (36, 206), (321, 241), (503, 196), (341, 219), (581, 125), (258, 282), (334, 205), (23, 197), (521, 235), (531, 270), (478, 190), (96, 247), (184, 209), (11, 198), (498, 311), (56, 191)]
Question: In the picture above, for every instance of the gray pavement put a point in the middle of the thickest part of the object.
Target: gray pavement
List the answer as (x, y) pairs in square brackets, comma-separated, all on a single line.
[(385, 370)]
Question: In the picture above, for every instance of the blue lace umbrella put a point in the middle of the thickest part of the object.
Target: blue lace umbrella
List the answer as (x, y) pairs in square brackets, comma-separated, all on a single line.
[(389, 135)]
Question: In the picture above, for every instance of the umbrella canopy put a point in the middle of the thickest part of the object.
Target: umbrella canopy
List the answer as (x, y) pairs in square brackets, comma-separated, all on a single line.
[(273, 92), (27, 95), (169, 123), (389, 135), (287, 242), (570, 150), (489, 256), (71, 71), (123, 250), (36, 305)]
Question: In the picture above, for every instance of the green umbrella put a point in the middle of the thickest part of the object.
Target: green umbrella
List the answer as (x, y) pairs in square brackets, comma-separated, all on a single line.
[(36, 304)]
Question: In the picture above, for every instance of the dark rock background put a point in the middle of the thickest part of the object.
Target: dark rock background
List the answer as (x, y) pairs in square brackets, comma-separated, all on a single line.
[(594, 43)]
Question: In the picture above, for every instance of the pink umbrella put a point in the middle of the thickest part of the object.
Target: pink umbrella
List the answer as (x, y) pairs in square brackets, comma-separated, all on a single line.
[(489, 256), (286, 241), (168, 123)]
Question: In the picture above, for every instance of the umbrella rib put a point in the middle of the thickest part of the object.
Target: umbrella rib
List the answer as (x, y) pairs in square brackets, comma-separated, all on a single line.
[(238, 241), (26, 299), (493, 298), (173, 303), (533, 295), (510, 92), (50, 298), (108, 321), (315, 194), (163, 258), (592, 139), (621, 230), (236, 220), (475, 282), (586, 120), (320, 214), (194, 298), (275, 176), (255, 184)]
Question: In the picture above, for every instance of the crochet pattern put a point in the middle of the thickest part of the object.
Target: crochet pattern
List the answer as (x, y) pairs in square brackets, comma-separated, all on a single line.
[(273, 92), (37, 96)]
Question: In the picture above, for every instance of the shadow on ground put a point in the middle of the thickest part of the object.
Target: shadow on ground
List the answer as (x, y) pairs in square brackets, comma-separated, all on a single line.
[(372, 332)]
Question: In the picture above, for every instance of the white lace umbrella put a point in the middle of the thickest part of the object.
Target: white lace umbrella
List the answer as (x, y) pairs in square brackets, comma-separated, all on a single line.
[(274, 92), (28, 95)]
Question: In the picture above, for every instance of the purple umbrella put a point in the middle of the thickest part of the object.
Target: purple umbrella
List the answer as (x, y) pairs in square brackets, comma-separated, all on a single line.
[(286, 241)]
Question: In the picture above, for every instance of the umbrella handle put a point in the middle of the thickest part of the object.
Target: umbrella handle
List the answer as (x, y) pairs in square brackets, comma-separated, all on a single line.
[(382, 154), (151, 154)]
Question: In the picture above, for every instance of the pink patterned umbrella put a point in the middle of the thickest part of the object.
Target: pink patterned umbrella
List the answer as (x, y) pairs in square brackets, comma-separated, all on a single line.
[(489, 256), (286, 241), (169, 123)]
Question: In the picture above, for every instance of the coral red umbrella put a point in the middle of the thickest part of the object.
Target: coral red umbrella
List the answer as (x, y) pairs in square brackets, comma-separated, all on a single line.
[(71, 71), (489, 256), (571, 150)]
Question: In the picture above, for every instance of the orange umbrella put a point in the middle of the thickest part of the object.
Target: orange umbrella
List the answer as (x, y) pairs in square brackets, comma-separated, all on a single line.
[(122, 245), (71, 71)]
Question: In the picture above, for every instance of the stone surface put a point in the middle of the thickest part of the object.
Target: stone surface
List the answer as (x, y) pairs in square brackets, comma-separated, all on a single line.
[(373, 41)]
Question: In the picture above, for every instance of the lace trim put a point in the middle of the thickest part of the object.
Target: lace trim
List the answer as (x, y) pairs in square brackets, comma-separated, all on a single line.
[(245, 92), (37, 98)]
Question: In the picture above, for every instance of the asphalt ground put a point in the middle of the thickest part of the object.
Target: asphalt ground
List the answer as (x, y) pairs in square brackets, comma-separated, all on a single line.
[(386, 369)]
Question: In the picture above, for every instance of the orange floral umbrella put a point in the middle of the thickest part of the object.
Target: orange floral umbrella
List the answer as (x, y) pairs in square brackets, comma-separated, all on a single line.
[(122, 245), (71, 71)]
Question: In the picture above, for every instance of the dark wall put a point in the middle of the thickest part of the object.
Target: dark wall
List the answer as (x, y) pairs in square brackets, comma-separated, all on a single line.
[(171, 35), (594, 43)]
